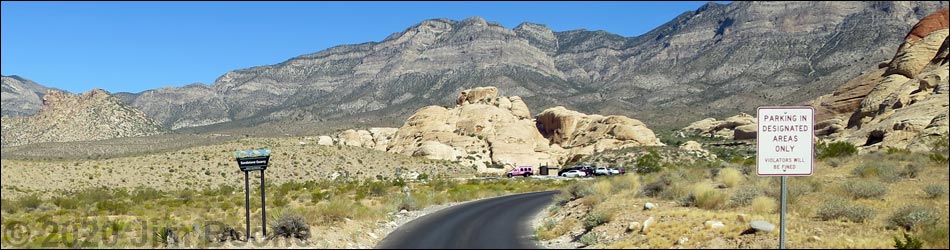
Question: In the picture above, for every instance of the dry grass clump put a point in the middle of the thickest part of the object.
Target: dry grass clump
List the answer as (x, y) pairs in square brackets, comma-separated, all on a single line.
[(730, 177), (764, 205)]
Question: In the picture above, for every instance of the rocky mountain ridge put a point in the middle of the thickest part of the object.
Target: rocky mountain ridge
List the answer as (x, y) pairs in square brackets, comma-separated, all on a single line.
[(710, 61), (94, 115), (21, 96)]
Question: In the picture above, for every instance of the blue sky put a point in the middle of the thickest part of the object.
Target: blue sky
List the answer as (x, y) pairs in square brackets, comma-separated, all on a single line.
[(136, 46)]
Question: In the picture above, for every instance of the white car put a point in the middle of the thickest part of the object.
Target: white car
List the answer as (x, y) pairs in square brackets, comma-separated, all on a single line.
[(614, 171), (601, 171), (574, 173)]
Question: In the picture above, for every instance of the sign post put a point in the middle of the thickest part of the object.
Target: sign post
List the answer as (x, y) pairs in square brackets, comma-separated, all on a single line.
[(253, 160), (785, 147)]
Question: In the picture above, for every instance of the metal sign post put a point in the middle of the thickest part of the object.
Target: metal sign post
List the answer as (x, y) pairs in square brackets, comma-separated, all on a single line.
[(253, 160), (785, 142)]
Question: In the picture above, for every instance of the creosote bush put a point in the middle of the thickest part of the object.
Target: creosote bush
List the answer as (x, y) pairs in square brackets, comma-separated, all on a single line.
[(863, 189), (837, 208), (912, 216)]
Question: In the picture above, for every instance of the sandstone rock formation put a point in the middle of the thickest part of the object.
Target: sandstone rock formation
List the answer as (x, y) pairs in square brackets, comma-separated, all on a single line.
[(486, 129), (738, 127), (584, 134), (906, 106), (374, 138), (94, 115)]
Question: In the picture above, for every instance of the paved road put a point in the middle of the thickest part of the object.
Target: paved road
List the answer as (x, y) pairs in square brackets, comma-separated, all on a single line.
[(500, 222)]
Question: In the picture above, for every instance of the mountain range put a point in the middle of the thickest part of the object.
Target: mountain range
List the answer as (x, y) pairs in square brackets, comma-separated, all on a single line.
[(713, 61)]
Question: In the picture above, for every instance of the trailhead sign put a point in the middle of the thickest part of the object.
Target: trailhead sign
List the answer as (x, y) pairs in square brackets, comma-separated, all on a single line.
[(785, 141)]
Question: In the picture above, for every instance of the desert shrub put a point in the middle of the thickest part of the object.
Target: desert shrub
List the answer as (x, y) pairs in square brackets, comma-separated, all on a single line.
[(9, 206), (167, 237), (835, 162), (65, 202), (744, 196), (649, 162), (912, 216), (876, 169), (935, 191), (797, 187), (730, 176), (764, 205), (142, 194), (836, 208), (625, 182), (863, 189), (653, 189), (290, 225), (113, 207), (29, 202), (408, 203), (594, 219), (588, 239), (909, 242), (911, 171), (579, 190), (834, 149), (936, 234), (319, 195), (706, 197), (602, 187)]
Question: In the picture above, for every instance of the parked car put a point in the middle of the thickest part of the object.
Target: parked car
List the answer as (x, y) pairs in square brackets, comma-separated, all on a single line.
[(520, 171), (589, 170), (616, 171), (574, 173), (602, 171)]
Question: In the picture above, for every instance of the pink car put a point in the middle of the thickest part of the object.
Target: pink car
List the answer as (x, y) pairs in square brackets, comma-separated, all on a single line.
[(522, 171)]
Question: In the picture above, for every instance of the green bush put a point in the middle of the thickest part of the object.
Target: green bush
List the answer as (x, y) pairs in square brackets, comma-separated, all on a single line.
[(30, 202), (883, 172), (588, 239), (649, 163), (835, 149), (935, 191), (837, 208), (65, 202), (142, 194), (744, 196), (594, 219), (909, 242), (863, 189), (912, 216), (113, 207), (936, 234)]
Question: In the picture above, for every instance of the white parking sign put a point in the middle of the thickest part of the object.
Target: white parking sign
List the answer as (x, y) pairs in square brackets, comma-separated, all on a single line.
[(785, 145)]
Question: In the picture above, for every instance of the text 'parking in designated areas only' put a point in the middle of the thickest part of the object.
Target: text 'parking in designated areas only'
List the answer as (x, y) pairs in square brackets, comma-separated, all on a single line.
[(785, 141)]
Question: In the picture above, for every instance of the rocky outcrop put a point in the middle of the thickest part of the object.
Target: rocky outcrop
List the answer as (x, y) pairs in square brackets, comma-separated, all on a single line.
[(572, 129), (907, 106), (374, 138), (21, 96), (486, 129), (94, 115), (738, 127)]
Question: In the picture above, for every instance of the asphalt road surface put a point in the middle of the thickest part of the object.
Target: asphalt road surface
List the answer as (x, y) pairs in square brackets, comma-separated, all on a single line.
[(500, 222)]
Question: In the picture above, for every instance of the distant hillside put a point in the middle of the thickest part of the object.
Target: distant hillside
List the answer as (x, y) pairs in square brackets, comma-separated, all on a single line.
[(94, 115), (21, 96)]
